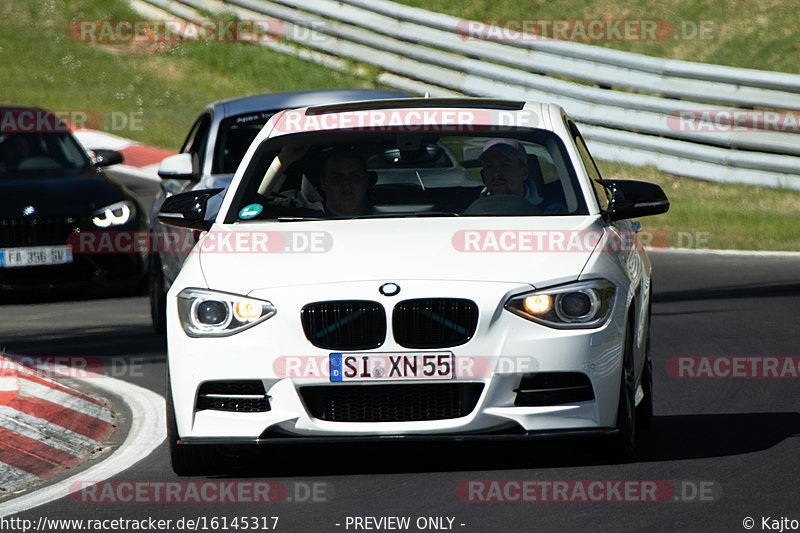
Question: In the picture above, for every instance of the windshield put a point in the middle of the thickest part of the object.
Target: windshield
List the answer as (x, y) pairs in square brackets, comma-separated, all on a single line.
[(518, 172), (42, 154), (234, 138)]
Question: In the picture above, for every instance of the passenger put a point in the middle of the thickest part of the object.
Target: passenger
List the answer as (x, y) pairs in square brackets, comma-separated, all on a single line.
[(505, 170)]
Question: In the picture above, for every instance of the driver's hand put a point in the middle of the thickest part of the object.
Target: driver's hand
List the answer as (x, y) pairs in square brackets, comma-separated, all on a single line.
[(291, 153)]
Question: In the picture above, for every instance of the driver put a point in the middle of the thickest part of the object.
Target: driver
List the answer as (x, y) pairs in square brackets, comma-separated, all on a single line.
[(505, 170), (13, 149), (345, 182)]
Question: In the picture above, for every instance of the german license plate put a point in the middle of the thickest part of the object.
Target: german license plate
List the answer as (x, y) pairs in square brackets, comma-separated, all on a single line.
[(392, 366), (35, 256)]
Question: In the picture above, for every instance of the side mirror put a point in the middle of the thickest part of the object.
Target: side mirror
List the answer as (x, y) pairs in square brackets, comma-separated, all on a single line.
[(634, 199), (187, 209), (178, 167), (104, 157)]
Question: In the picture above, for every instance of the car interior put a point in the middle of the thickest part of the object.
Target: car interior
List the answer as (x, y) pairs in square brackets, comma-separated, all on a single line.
[(412, 175), (50, 152)]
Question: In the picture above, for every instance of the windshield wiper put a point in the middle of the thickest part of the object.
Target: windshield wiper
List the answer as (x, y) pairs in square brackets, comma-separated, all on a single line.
[(437, 214), (297, 219), (406, 215)]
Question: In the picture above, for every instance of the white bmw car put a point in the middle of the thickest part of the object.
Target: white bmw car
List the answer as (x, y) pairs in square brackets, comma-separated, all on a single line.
[(413, 268)]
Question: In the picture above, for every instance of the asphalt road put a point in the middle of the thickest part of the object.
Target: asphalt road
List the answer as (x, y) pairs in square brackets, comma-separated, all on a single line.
[(728, 447)]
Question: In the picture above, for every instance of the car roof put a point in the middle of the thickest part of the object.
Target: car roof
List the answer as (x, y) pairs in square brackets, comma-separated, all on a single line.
[(293, 99), (491, 111), (405, 102)]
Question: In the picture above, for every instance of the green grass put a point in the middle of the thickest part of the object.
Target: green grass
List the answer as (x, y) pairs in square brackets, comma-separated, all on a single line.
[(168, 85), (740, 33), (163, 85)]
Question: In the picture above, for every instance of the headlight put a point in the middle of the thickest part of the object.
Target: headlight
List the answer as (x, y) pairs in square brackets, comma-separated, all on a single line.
[(585, 304), (115, 214), (205, 313)]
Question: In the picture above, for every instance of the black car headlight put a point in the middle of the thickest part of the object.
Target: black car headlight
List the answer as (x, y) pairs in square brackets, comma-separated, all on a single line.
[(585, 304), (206, 313), (116, 214)]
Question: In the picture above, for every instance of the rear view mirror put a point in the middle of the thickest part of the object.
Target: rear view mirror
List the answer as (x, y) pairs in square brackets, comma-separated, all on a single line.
[(104, 157), (178, 167), (187, 209), (634, 199)]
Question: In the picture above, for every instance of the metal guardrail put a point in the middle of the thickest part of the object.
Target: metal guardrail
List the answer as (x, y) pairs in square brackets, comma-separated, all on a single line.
[(592, 58), (425, 51)]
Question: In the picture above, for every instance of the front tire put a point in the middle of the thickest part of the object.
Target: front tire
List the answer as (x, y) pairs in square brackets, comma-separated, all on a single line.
[(644, 411), (158, 296), (622, 444)]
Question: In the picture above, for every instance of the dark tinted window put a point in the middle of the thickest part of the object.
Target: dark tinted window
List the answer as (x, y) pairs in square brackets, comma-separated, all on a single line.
[(234, 138), (48, 154), (197, 141)]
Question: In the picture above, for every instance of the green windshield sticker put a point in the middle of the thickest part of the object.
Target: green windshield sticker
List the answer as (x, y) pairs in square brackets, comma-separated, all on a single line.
[(250, 211)]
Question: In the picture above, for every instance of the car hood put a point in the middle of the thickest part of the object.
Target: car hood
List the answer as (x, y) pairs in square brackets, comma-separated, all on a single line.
[(77, 194), (247, 257)]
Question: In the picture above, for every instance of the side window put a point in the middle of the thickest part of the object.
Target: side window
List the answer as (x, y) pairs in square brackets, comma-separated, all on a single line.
[(591, 169), (197, 140)]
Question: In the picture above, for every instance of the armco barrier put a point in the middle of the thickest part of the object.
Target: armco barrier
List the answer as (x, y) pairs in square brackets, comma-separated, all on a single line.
[(423, 50)]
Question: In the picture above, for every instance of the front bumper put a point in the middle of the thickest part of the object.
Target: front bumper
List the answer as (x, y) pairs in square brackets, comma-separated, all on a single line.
[(495, 436), (92, 271), (507, 346)]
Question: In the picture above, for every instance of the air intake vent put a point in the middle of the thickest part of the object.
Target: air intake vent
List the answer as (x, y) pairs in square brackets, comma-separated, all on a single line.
[(345, 324), (391, 403), (241, 396), (553, 388)]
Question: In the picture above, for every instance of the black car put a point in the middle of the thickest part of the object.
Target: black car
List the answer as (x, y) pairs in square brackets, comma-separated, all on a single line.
[(63, 223)]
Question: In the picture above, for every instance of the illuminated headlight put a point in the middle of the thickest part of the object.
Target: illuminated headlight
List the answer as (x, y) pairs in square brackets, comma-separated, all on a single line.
[(205, 313), (114, 215), (585, 304)]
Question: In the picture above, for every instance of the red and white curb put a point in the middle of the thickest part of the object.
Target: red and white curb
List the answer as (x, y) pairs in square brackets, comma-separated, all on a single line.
[(141, 160), (45, 426), (146, 433)]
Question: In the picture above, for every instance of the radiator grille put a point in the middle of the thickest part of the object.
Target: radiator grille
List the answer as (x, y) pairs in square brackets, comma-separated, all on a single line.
[(345, 325), (35, 231), (434, 322)]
